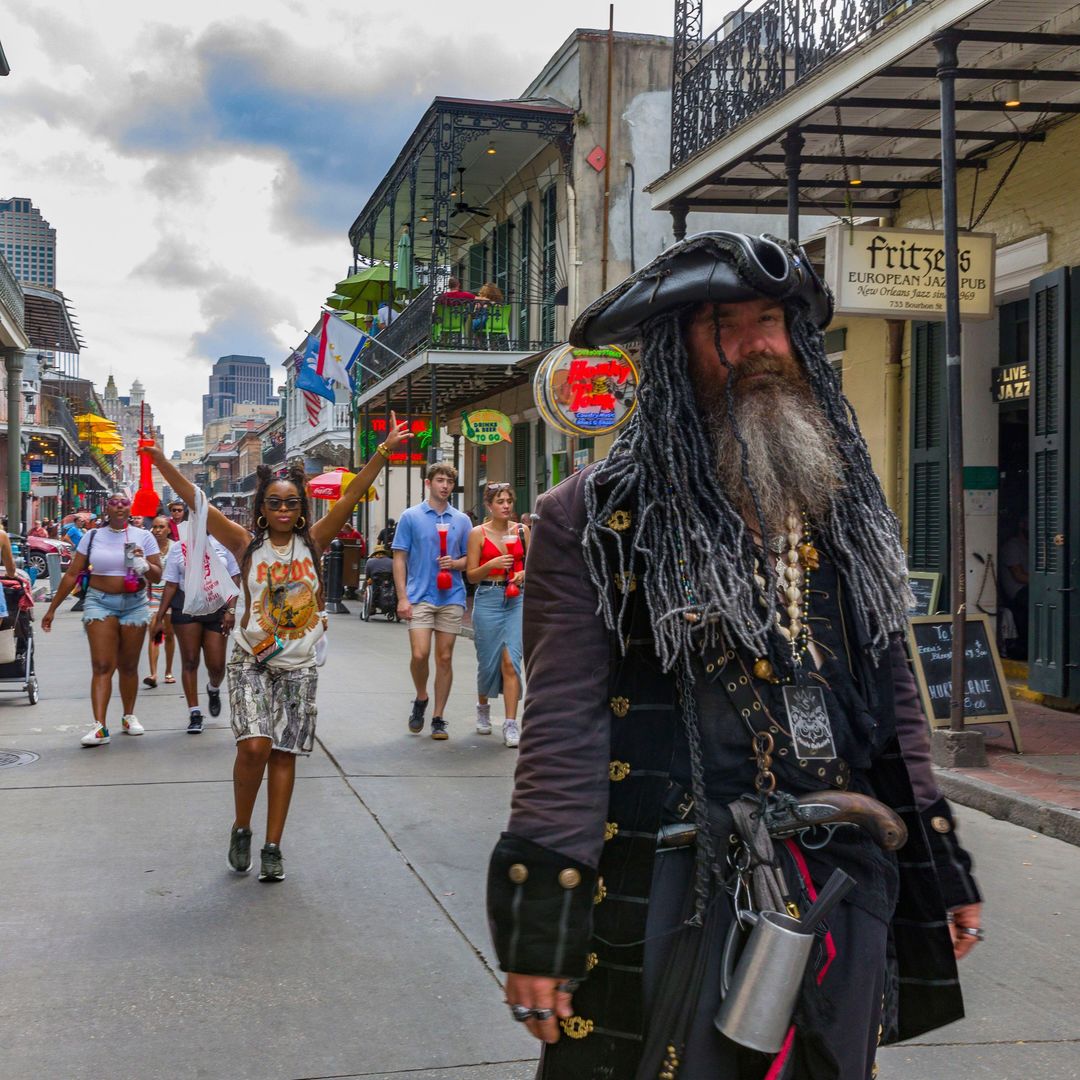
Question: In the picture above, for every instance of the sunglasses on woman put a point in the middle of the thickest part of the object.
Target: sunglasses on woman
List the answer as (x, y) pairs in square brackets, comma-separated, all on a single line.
[(504, 486), (274, 503), (118, 504)]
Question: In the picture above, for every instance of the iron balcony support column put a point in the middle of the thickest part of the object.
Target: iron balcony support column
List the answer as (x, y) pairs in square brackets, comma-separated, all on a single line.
[(13, 361), (408, 445), (433, 446), (456, 498), (792, 145), (963, 743), (386, 504), (367, 502)]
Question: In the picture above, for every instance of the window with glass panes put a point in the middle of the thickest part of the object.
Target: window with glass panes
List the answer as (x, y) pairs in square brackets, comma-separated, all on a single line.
[(500, 258), (548, 207)]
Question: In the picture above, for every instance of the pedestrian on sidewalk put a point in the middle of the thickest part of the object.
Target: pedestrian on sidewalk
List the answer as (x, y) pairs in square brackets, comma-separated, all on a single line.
[(429, 610), (714, 627), (199, 635), (496, 614), (121, 562), (271, 671), (161, 631)]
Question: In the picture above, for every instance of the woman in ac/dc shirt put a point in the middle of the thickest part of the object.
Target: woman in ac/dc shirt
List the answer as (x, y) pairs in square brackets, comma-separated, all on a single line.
[(271, 672), (121, 561)]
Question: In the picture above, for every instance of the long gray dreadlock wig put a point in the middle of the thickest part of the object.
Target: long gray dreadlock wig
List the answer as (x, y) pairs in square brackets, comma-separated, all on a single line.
[(687, 529)]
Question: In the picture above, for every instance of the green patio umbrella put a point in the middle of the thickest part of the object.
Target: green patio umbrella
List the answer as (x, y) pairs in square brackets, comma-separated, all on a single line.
[(404, 277), (365, 286), (339, 302)]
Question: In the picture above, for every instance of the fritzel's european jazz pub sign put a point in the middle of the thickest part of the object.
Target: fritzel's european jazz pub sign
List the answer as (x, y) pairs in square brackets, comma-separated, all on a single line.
[(900, 273)]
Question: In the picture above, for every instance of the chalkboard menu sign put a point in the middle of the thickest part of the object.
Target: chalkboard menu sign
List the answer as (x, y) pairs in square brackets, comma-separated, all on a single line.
[(925, 589), (986, 693)]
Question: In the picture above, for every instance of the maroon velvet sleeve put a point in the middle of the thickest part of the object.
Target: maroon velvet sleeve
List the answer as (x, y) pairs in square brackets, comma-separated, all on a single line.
[(912, 728), (561, 784)]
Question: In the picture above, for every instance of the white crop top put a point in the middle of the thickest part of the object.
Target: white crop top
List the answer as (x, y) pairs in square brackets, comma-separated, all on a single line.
[(107, 554)]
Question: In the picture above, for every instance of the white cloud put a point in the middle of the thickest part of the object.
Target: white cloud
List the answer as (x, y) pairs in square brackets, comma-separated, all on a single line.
[(187, 229)]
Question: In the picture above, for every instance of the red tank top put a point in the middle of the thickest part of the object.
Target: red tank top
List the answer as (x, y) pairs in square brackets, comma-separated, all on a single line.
[(491, 551)]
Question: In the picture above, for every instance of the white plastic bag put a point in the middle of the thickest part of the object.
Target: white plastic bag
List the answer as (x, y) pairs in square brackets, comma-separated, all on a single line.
[(207, 585)]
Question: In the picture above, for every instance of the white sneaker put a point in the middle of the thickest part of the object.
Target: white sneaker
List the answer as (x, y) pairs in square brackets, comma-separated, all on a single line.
[(511, 733), (98, 735), (132, 725), (483, 719)]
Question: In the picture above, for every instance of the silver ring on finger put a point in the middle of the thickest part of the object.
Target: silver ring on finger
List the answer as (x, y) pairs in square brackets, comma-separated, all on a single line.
[(521, 1013), (973, 931), (543, 1014)]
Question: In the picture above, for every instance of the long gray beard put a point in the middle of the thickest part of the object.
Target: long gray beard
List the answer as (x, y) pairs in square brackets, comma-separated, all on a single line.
[(791, 457)]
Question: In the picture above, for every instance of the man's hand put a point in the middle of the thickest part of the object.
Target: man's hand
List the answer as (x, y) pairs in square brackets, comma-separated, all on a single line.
[(962, 919), (539, 992), (404, 609), (446, 562)]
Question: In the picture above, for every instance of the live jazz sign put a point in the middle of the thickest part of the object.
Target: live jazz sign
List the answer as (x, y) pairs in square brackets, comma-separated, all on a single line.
[(900, 273)]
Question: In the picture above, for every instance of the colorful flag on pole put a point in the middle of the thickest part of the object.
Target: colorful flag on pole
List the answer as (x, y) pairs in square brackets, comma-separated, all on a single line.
[(339, 346), (312, 401)]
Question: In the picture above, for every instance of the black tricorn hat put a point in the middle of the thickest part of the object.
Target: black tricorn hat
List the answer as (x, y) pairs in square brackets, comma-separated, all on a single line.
[(708, 266)]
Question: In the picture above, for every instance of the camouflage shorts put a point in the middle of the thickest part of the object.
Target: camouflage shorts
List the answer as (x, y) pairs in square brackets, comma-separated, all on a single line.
[(272, 703)]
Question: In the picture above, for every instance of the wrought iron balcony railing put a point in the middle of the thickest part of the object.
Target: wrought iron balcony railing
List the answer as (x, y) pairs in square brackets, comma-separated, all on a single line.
[(760, 52), (11, 295), (520, 324)]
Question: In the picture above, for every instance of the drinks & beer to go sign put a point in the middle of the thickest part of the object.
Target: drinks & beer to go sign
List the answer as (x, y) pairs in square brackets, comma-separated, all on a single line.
[(586, 392), (900, 273), (486, 426)]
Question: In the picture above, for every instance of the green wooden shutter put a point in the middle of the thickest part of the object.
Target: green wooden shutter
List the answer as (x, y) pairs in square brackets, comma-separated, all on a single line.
[(522, 453), (477, 267), (928, 531), (500, 258), (549, 261), (524, 276), (541, 470), (1048, 412)]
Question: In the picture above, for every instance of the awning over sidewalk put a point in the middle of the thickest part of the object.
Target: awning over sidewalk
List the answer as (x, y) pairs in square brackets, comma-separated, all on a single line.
[(858, 85)]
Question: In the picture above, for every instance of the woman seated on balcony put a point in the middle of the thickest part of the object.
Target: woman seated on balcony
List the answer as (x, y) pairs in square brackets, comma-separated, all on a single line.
[(489, 294)]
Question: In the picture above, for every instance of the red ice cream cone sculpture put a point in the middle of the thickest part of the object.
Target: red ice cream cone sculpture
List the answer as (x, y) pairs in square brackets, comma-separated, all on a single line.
[(513, 547), (146, 501), (443, 580)]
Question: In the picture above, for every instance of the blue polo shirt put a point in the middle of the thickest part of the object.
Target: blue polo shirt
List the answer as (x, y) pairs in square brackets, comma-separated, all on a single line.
[(416, 535)]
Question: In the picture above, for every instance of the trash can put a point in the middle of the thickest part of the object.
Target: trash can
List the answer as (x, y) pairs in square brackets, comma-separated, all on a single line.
[(352, 557)]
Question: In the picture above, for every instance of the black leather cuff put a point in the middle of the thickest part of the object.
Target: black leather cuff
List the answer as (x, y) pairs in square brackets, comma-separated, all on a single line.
[(952, 863), (539, 909)]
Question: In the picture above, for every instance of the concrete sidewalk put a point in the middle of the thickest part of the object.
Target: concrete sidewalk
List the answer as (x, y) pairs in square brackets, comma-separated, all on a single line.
[(1039, 789)]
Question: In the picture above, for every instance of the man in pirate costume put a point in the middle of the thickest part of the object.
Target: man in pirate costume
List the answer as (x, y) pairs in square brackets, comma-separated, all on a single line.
[(715, 611)]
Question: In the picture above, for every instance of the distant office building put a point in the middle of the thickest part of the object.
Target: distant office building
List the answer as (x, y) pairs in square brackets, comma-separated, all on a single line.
[(237, 380), (28, 242)]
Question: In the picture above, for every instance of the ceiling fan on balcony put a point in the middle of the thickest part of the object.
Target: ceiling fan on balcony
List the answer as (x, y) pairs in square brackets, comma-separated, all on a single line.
[(461, 206)]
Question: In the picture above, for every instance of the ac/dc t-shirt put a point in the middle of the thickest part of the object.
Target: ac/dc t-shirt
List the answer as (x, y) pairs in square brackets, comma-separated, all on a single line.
[(282, 588)]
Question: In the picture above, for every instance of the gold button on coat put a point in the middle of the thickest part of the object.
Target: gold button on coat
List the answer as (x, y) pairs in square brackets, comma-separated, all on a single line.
[(569, 878), (940, 824), (519, 873)]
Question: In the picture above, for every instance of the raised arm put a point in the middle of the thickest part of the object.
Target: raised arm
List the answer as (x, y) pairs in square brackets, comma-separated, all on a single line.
[(235, 537), (7, 556), (327, 527)]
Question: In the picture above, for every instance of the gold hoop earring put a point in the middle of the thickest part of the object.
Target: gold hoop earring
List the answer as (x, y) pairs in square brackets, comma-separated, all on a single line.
[(301, 522), (261, 522)]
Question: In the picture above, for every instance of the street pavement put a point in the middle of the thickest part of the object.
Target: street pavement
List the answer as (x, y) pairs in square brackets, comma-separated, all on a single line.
[(129, 952)]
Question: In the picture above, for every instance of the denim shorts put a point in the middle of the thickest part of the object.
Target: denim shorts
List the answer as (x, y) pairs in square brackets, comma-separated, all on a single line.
[(132, 609)]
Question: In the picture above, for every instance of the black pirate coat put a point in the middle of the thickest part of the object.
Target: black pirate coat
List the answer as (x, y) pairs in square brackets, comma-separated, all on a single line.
[(569, 882)]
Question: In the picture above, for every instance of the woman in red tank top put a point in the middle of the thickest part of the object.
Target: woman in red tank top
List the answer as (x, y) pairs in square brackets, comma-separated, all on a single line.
[(495, 558)]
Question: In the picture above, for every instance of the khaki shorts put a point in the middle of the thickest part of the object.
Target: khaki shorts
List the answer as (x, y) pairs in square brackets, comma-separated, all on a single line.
[(446, 619)]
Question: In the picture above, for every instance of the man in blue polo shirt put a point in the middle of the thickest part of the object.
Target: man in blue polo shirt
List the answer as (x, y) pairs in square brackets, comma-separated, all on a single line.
[(428, 609)]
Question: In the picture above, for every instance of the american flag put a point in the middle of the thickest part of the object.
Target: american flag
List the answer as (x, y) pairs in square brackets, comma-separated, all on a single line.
[(313, 402)]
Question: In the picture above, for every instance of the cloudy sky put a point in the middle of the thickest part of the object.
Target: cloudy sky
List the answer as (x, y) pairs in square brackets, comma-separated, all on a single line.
[(201, 162)]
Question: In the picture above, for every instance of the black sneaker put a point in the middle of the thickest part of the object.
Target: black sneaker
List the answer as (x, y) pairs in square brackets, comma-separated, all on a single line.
[(270, 867), (213, 697), (416, 718), (438, 728), (240, 850), (194, 724)]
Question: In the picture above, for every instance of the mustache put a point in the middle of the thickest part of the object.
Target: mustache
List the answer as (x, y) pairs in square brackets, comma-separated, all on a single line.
[(761, 363)]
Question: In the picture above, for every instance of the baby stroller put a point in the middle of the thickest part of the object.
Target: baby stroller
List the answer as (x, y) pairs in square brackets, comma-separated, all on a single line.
[(17, 640), (380, 595)]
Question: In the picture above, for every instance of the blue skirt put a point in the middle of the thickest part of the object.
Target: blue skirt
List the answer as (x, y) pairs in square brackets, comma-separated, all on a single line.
[(497, 625)]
